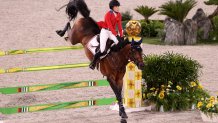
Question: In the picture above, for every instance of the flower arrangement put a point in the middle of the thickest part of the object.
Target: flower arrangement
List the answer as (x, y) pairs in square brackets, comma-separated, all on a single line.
[(208, 105), (175, 97), (172, 82)]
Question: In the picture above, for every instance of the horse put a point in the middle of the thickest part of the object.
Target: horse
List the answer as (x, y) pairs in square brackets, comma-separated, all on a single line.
[(113, 66)]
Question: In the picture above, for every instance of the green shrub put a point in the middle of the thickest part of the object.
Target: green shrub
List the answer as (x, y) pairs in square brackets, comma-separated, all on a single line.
[(151, 29), (178, 9), (215, 31), (126, 16), (172, 81), (213, 35), (145, 11)]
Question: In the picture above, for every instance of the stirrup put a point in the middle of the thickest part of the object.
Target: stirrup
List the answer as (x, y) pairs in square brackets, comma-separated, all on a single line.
[(95, 59)]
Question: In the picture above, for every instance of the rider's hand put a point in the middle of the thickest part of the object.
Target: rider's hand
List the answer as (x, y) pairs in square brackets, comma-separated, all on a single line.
[(122, 38), (118, 37)]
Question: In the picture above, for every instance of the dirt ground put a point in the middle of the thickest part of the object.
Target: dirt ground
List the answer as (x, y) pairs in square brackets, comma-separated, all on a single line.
[(26, 24)]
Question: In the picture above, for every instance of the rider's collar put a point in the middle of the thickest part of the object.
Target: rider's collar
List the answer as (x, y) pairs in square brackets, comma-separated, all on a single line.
[(112, 11)]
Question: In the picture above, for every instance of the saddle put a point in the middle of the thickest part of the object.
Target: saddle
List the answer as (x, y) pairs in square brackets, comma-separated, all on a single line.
[(111, 50), (94, 46), (109, 44)]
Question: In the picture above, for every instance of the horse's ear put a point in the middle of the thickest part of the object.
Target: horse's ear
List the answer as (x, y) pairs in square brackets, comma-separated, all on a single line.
[(137, 48), (126, 40)]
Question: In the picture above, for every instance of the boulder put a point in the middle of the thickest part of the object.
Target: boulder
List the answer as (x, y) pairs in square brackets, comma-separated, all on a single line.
[(191, 29), (204, 23), (174, 32)]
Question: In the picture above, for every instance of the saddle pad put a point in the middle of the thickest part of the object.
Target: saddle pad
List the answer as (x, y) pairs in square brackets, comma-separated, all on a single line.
[(93, 44)]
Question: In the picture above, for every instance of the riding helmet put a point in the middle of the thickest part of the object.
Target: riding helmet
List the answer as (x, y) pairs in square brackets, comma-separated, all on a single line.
[(114, 3)]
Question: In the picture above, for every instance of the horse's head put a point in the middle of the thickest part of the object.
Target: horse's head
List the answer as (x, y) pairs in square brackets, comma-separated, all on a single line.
[(136, 56)]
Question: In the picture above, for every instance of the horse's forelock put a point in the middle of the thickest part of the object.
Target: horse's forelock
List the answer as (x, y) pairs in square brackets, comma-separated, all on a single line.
[(137, 48)]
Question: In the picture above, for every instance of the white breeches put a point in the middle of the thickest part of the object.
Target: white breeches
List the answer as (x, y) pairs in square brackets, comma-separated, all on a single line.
[(104, 35)]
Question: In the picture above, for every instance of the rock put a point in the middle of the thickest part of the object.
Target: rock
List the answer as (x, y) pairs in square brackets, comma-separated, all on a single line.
[(203, 22), (174, 32), (191, 29)]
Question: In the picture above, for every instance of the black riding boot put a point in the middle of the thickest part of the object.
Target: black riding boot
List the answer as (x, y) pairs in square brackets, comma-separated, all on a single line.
[(62, 32), (95, 59)]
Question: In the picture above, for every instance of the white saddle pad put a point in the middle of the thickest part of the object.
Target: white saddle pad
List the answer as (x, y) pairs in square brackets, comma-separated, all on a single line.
[(93, 44)]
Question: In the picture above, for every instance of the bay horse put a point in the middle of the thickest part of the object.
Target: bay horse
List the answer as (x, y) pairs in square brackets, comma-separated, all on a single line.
[(113, 66)]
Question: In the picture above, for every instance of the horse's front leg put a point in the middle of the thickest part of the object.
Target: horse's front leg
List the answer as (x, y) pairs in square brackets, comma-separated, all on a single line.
[(116, 85), (120, 99)]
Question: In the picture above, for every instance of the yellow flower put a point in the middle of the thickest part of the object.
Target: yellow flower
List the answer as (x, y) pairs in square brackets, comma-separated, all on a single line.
[(179, 88), (200, 86), (161, 95), (200, 104), (193, 84), (212, 99), (209, 105), (152, 89), (162, 86)]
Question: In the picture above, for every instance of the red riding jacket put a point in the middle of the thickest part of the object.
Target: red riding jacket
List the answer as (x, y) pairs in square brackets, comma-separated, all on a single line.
[(111, 21)]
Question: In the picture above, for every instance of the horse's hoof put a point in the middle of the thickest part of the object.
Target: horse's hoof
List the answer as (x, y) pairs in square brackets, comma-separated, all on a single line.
[(60, 33), (66, 38), (92, 67), (123, 115), (123, 121)]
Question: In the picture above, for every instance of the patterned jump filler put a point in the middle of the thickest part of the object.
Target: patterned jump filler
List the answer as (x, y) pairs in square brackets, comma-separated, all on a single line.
[(132, 86)]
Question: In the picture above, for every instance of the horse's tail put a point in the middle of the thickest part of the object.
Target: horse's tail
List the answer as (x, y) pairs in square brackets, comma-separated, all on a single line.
[(75, 6)]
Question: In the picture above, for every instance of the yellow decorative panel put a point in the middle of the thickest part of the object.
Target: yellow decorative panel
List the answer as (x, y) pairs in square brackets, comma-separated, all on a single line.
[(132, 86)]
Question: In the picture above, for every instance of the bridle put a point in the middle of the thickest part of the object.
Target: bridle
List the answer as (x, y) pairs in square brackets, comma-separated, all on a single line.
[(132, 53)]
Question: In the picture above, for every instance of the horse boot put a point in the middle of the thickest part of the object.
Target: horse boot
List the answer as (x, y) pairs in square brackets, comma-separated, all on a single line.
[(95, 59), (62, 32)]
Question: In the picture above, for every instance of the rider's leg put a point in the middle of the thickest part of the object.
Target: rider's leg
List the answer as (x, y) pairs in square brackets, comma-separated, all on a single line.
[(104, 35), (112, 37), (103, 40), (117, 41)]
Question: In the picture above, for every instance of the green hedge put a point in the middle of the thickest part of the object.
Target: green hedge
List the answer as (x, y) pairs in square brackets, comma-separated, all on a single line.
[(151, 29), (172, 81), (126, 16), (215, 31)]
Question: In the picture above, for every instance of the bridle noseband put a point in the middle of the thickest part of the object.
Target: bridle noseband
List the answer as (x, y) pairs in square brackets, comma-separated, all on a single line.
[(132, 53)]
